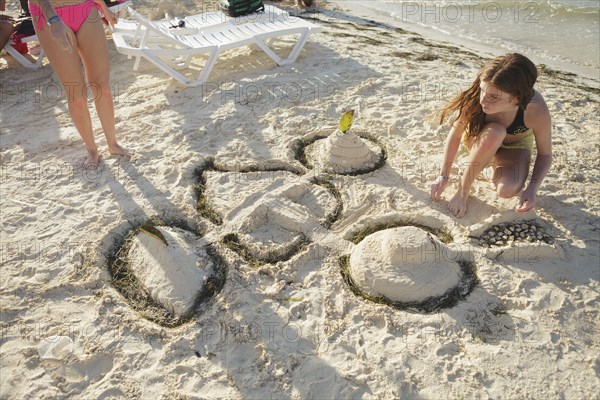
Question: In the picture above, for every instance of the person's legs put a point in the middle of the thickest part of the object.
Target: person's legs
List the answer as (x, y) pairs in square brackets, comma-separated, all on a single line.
[(482, 152), (25, 7), (68, 68), (6, 29), (511, 168), (93, 49)]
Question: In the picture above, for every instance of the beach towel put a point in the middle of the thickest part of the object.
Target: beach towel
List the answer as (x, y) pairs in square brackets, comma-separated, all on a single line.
[(236, 8), (24, 30)]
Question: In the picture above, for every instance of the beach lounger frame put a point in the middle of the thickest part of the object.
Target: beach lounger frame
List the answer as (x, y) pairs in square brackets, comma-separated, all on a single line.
[(149, 38), (30, 62)]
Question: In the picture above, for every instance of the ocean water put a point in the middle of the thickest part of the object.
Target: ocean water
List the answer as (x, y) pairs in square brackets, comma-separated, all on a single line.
[(560, 33)]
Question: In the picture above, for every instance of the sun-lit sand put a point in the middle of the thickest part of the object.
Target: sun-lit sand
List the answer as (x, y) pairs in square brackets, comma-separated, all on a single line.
[(285, 323)]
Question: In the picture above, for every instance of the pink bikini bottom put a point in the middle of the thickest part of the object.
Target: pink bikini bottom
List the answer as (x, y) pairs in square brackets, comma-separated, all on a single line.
[(73, 15)]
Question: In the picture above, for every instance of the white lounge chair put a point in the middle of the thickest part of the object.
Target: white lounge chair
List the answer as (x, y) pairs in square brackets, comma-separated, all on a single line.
[(195, 23), (172, 49), (29, 61)]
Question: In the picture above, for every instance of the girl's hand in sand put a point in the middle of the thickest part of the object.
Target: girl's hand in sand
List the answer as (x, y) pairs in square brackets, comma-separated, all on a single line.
[(63, 35), (527, 201), (438, 187)]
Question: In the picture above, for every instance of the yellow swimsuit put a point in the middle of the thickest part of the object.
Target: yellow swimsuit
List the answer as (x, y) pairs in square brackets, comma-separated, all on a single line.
[(517, 128)]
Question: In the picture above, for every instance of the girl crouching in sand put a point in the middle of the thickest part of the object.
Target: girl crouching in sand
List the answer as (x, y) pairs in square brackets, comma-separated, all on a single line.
[(71, 31), (499, 117)]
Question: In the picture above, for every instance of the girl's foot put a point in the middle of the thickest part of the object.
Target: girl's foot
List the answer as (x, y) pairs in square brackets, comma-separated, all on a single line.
[(117, 150), (92, 160), (458, 205)]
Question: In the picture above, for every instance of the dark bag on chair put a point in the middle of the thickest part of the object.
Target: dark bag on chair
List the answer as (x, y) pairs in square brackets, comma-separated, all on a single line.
[(236, 8), (26, 27)]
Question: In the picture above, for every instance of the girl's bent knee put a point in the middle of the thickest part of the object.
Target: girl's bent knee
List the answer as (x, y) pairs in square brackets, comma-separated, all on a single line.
[(492, 136), (494, 130), (507, 191)]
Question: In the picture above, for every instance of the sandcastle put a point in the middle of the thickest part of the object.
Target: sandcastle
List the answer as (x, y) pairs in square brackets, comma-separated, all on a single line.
[(269, 212), (173, 265), (404, 265), (344, 153)]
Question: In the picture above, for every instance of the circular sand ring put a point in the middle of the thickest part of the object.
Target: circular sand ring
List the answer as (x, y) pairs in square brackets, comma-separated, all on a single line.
[(172, 265), (350, 153), (166, 272), (408, 267)]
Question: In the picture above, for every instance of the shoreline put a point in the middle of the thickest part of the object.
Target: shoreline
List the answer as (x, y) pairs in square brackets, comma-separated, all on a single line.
[(485, 51)]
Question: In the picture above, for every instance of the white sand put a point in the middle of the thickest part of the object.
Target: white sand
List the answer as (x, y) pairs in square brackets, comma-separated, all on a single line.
[(404, 264), (291, 330)]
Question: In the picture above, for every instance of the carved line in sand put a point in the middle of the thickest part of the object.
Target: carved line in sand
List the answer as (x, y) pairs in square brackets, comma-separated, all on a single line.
[(141, 292), (256, 255), (407, 267), (331, 151), (290, 219), (202, 204)]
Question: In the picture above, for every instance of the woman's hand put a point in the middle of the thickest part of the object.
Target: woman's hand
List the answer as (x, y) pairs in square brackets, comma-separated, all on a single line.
[(527, 200), (438, 187), (110, 17), (63, 35)]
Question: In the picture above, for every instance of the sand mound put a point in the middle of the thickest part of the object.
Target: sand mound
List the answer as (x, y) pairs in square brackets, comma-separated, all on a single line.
[(405, 264), (174, 274), (344, 153)]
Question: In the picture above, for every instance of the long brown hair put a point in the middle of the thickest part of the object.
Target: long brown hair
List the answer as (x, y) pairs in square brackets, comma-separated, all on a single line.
[(512, 73)]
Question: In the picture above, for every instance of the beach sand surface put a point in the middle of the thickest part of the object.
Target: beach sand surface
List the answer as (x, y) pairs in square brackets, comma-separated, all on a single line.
[(291, 329)]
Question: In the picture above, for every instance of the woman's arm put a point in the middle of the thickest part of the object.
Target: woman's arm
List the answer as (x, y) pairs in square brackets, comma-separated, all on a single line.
[(110, 17), (537, 117), (450, 149), (46, 7), (58, 30)]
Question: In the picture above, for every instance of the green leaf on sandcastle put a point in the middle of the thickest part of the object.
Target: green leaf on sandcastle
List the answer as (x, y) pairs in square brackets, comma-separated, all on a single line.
[(154, 232), (346, 121)]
